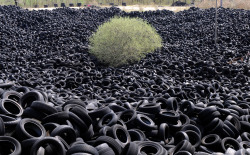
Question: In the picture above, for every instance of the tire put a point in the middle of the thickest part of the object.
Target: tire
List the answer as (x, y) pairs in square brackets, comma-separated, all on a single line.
[(74, 119), (227, 142), (168, 116), (172, 104), (22, 90), (163, 132), (180, 136), (59, 148), (245, 136), (43, 107), (32, 113), (112, 120), (10, 121), (65, 132), (82, 148), (83, 115), (128, 117), (10, 107), (99, 112), (191, 127), (29, 128), (111, 142), (183, 146), (150, 147), (130, 149), (187, 107), (211, 141), (11, 95), (59, 117), (75, 102), (136, 135), (120, 134), (144, 122), (149, 108), (27, 99), (104, 149), (10, 145), (2, 127)]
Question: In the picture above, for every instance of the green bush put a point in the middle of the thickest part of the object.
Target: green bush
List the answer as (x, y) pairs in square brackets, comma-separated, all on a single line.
[(123, 40)]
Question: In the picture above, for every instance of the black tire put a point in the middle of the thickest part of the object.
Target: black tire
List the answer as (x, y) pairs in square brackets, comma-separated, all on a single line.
[(99, 112), (183, 153), (136, 135), (172, 104), (104, 149), (9, 145), (82, 148), (180, 136), (150, 147), (191, 127), (111, 142), (82, 113), (128, 117), (229, 142), (2, 127), (58, 146), (59, 117), (245, 136), (163, 132), (144, 122), (152, 108), (130, 149), (29, 128), (120, 134), (32, 113), (107, 120), (183, 146), (245, 144), (169, 116), (11, 95), (211, 141), (232, 127), (194, 138), (66, 132), (10, 121), (43, 107), (74, 119), (22, 90), (10, 107), (187, 107), (27, 99), (75, 102)]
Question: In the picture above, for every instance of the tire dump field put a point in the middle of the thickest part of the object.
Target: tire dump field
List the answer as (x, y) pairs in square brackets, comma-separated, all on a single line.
[(187, 98)]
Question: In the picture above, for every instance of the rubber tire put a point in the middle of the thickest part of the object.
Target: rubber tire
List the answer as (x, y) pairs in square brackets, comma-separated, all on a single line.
[(43, 107), (5, 110), (60, 150), (2, 127), (111, 142), (61, 130), (17, 146), (36, 127), (82, 148)]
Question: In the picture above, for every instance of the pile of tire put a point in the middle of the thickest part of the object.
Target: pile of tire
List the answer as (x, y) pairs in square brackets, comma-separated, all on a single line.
[(190, 97), (179, 3)]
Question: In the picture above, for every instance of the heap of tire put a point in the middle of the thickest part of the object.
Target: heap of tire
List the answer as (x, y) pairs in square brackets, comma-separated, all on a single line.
[(190, 97)]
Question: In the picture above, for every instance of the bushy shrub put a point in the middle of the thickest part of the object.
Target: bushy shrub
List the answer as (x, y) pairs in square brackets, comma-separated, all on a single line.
[(123, 41)]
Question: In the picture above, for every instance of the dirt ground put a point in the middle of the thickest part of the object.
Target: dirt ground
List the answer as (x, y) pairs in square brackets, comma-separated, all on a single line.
[(134, 8)]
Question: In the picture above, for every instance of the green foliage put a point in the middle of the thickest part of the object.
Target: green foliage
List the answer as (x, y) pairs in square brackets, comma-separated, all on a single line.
[(123, 40)]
